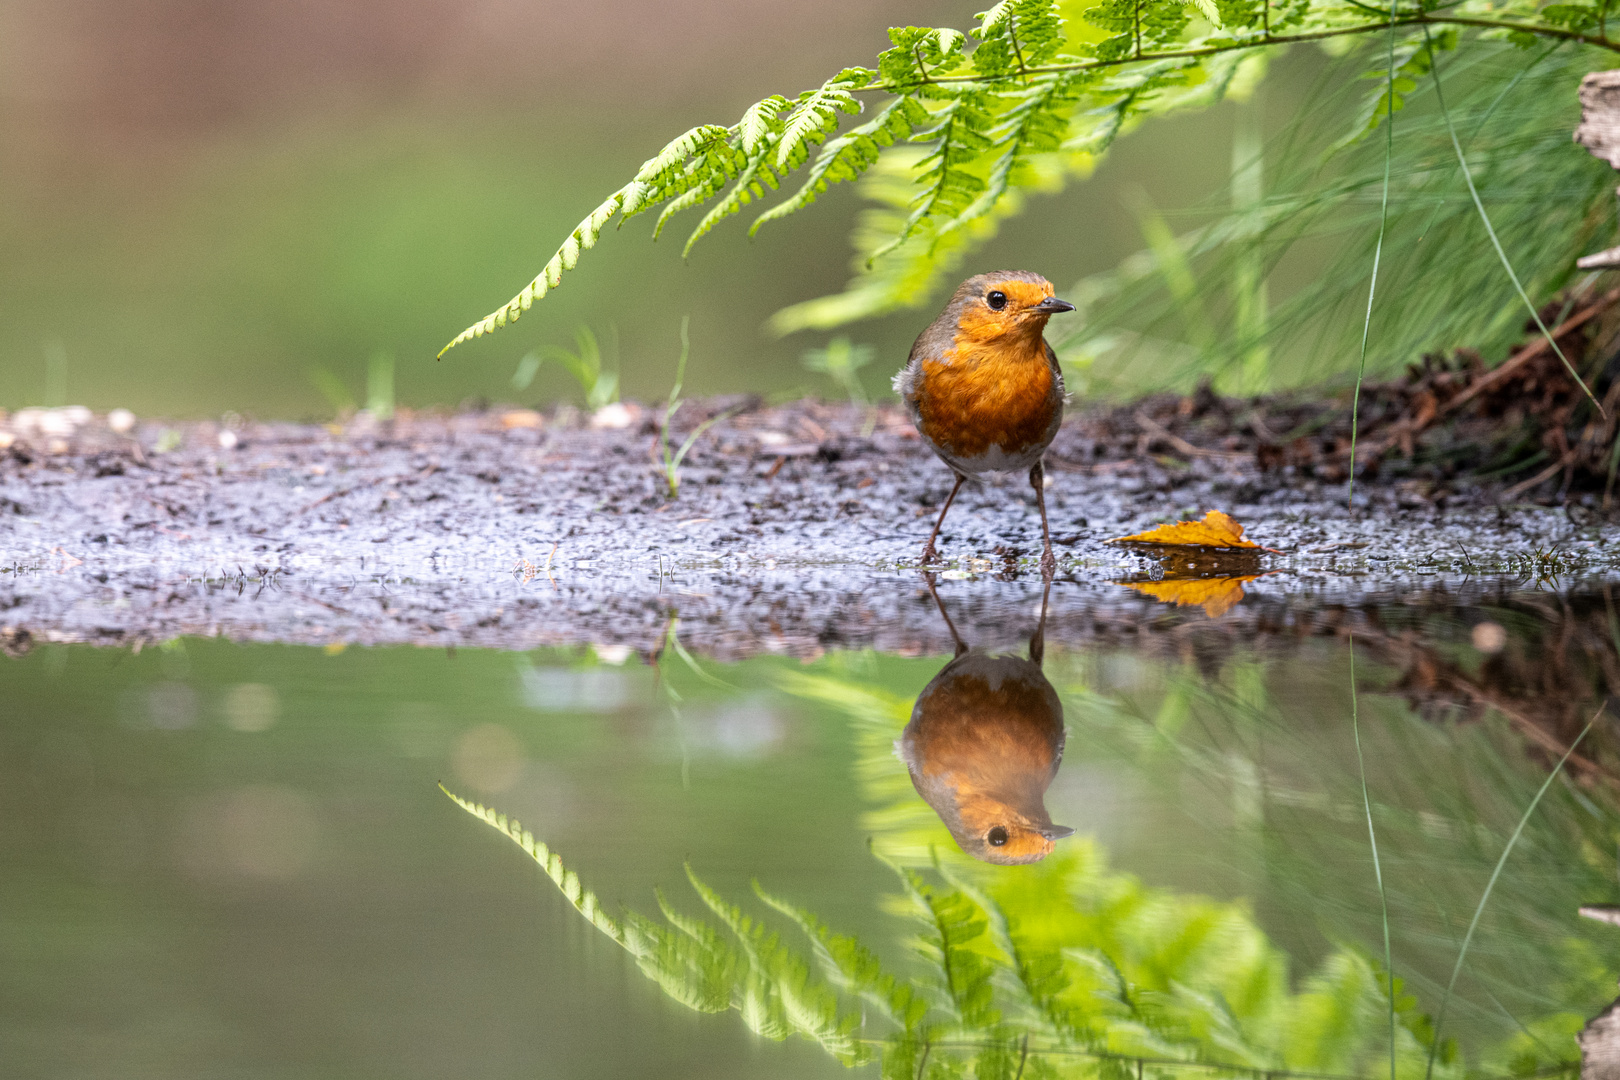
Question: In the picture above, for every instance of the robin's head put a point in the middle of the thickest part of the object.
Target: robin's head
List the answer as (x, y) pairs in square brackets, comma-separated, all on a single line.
[(1010, 841), (1006, 303), (984, 741)]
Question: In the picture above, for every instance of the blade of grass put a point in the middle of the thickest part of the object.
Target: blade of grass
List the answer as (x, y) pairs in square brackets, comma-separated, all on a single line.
[(686, 657), (1485, 119), (1468, 175), (1378, 869), (1372, 290), (1479, 909)]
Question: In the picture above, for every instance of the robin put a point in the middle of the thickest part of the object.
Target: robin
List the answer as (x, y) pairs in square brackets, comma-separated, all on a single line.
[(984, 742), (984, 387)]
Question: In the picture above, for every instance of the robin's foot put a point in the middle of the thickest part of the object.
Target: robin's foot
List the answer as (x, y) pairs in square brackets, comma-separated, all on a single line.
[(1048, 563), (929, 555)]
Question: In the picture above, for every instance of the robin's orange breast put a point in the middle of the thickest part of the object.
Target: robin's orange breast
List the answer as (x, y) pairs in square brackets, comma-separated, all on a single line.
[(979, 398)]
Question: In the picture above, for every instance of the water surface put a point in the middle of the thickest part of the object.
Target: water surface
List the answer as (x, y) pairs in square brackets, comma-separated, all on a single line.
[(229, 859)]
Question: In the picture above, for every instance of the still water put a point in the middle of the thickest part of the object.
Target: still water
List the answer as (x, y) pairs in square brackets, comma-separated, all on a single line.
[(236, 860)]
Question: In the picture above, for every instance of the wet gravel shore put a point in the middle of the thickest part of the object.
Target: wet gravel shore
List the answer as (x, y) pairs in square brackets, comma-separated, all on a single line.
[(795, 528)]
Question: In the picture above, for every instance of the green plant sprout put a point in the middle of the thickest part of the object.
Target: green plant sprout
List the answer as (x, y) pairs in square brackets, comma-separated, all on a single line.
[(671, 460), (56, 363), (584, 363), (842, 362), (332, 389), (527, 368), (380, 386)]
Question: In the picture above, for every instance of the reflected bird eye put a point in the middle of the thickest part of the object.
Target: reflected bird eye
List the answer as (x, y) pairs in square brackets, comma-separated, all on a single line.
[(997, 836)]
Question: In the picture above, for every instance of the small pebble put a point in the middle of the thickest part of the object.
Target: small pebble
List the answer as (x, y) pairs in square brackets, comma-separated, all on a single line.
[(616, 416)]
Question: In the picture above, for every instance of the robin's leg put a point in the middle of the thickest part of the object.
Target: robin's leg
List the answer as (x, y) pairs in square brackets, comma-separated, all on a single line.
[(961, 646), (1037, 640), (928, 553), (1037, 480)]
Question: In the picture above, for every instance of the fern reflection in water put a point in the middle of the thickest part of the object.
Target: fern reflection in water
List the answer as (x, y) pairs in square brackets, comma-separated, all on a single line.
[(1072, 968), (1068, 969)]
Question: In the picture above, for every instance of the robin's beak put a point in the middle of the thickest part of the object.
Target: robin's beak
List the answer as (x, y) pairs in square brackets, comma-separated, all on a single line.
[(1057, 832), (1052, 306)]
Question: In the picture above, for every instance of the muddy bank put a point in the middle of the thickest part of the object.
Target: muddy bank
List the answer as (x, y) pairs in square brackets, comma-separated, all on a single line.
[(795, 527)]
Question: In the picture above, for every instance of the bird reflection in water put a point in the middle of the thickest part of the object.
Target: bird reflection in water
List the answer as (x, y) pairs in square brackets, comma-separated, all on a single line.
[(984, 742)]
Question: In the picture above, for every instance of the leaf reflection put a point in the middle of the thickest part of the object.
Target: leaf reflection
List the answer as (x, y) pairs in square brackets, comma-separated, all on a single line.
[(1188, 577), (1216, 596)]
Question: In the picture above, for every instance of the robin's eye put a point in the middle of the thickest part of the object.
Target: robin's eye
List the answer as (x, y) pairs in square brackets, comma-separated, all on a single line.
[(997, 836), (997, 300)]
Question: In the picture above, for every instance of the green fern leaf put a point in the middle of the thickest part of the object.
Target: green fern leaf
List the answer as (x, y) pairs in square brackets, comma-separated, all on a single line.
[(746, 189), (780, 995), (584, 901), (667, 172), (853, 966), (952, 945), (760, 122), (950, 186), (850, 155), (1016, 35), (1037, 124), (909, 275), (699, 193), (583, 238), (918, 54), (816, 115)]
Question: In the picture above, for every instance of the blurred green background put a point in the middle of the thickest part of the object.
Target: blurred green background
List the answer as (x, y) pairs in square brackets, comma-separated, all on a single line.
[(202, 202)]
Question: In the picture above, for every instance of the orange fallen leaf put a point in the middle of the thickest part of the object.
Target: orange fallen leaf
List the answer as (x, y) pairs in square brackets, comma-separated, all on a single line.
[(1216, 596), (1217, 530)]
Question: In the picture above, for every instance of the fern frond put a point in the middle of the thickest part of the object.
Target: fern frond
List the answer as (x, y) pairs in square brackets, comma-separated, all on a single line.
[(758, 133), (583, 238), (679, 166), (952, 944), (1016, 35), (1013, 96), (908, 275), (816, 114), (853, 966), (919, 55), (750, 185), (950, 185), (780, 992), (760, 122), (583, 900), (1037, 124), (849, 155)]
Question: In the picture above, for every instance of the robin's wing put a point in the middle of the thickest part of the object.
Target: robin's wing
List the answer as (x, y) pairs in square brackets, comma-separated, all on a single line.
[(1057, 369), (905, 380)]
